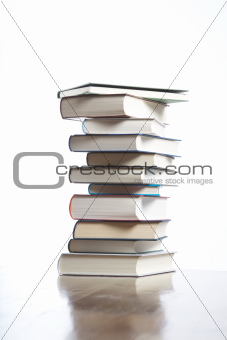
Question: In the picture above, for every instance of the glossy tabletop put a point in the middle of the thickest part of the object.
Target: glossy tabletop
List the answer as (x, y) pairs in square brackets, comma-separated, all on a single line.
[(163, 307)]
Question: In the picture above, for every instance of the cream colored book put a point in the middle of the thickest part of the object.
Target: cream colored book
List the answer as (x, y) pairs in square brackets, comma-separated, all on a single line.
[(92, 106), (113, 207), (120, 230), (115, 264), (144, 286), (124, 126)]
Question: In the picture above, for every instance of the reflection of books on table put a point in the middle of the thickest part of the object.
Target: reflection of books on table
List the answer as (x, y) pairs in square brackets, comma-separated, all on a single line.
[(110, 304)]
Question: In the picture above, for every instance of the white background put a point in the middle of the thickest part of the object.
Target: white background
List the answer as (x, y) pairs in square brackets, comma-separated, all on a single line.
[(142, 43)]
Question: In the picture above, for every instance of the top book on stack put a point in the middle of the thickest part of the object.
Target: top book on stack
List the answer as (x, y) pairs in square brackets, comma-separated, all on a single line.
[(157, 94), (117, 102)]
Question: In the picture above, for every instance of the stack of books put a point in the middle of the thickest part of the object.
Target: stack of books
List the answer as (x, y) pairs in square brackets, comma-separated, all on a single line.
[(123, 219)]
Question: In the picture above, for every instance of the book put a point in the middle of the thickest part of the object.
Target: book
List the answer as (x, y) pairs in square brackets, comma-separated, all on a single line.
[(129, 142), (123, 126), (115, 264), (159, 94), (131, 189), (98, 207), (112, 106), (114, 246), (121, 175), (144, 286), (140, 159), (120, 230)]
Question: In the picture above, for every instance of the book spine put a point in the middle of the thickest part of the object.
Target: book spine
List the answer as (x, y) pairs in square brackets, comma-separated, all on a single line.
[(129, 195), (69, 143), (61, 108), (83, 127), (70, 207), (74, 230), (108, 220), (87, 158), (70, 170), (69, 246), (58, 265)]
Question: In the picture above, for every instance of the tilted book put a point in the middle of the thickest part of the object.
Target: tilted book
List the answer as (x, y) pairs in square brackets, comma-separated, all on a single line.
[(160, 94)]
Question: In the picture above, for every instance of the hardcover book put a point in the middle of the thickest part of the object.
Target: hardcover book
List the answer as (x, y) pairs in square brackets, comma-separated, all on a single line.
[(120, 230), (159, 94), (119, 142), (115, 264), (111, 106), (118, 207)]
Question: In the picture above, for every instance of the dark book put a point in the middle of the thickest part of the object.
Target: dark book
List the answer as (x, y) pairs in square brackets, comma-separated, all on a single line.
[(130, 159), (114, 246)]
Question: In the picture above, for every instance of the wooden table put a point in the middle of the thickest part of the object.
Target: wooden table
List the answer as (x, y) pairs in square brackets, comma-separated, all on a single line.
[(161, 307)]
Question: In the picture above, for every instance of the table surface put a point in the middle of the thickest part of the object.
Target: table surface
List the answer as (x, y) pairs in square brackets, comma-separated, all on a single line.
[(181, 305)]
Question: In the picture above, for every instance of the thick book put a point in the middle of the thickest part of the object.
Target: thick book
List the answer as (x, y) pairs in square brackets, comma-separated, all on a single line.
[(120, 230), (129, 159), (129, 142), (115, 264), (114, 246), (159, 94), (123, 126), (105, 207), (112, 106), (121, 175), (142, 288), (130, 189)]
